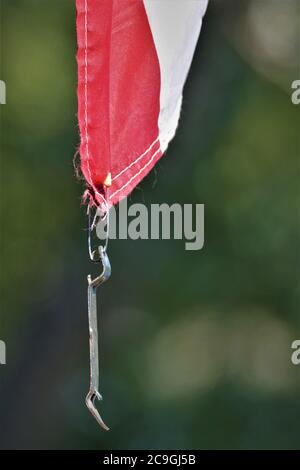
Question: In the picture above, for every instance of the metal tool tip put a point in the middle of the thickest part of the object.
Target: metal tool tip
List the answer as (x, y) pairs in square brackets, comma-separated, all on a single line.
[(90, 398)]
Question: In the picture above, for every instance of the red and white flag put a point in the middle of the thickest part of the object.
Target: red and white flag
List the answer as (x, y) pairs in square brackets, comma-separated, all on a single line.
[(133, 60)]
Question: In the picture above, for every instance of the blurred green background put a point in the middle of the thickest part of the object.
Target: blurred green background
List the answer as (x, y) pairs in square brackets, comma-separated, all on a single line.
[(195, 361)]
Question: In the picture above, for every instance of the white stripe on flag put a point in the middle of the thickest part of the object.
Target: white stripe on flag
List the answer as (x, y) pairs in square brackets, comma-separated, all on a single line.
[(175, 26)]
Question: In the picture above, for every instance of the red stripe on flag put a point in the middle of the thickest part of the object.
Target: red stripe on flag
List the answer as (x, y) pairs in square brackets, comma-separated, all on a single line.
[(118, 94), (94, 20)]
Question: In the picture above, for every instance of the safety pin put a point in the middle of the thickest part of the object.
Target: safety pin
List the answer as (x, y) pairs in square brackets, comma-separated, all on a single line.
[(91, 226), (93, 284)]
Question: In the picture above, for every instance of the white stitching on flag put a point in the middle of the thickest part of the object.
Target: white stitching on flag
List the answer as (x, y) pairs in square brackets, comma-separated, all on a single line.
[(137, 174), (135, 161)]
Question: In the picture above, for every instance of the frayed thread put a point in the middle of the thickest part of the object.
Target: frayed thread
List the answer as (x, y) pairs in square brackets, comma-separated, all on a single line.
[(77, 166), (89, 198)]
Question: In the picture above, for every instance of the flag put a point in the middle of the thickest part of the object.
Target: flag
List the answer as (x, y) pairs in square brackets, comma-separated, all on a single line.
[(133, 59)]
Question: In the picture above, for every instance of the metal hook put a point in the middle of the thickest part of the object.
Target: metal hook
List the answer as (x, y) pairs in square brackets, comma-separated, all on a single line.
[(93, 284), (90, 403)]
